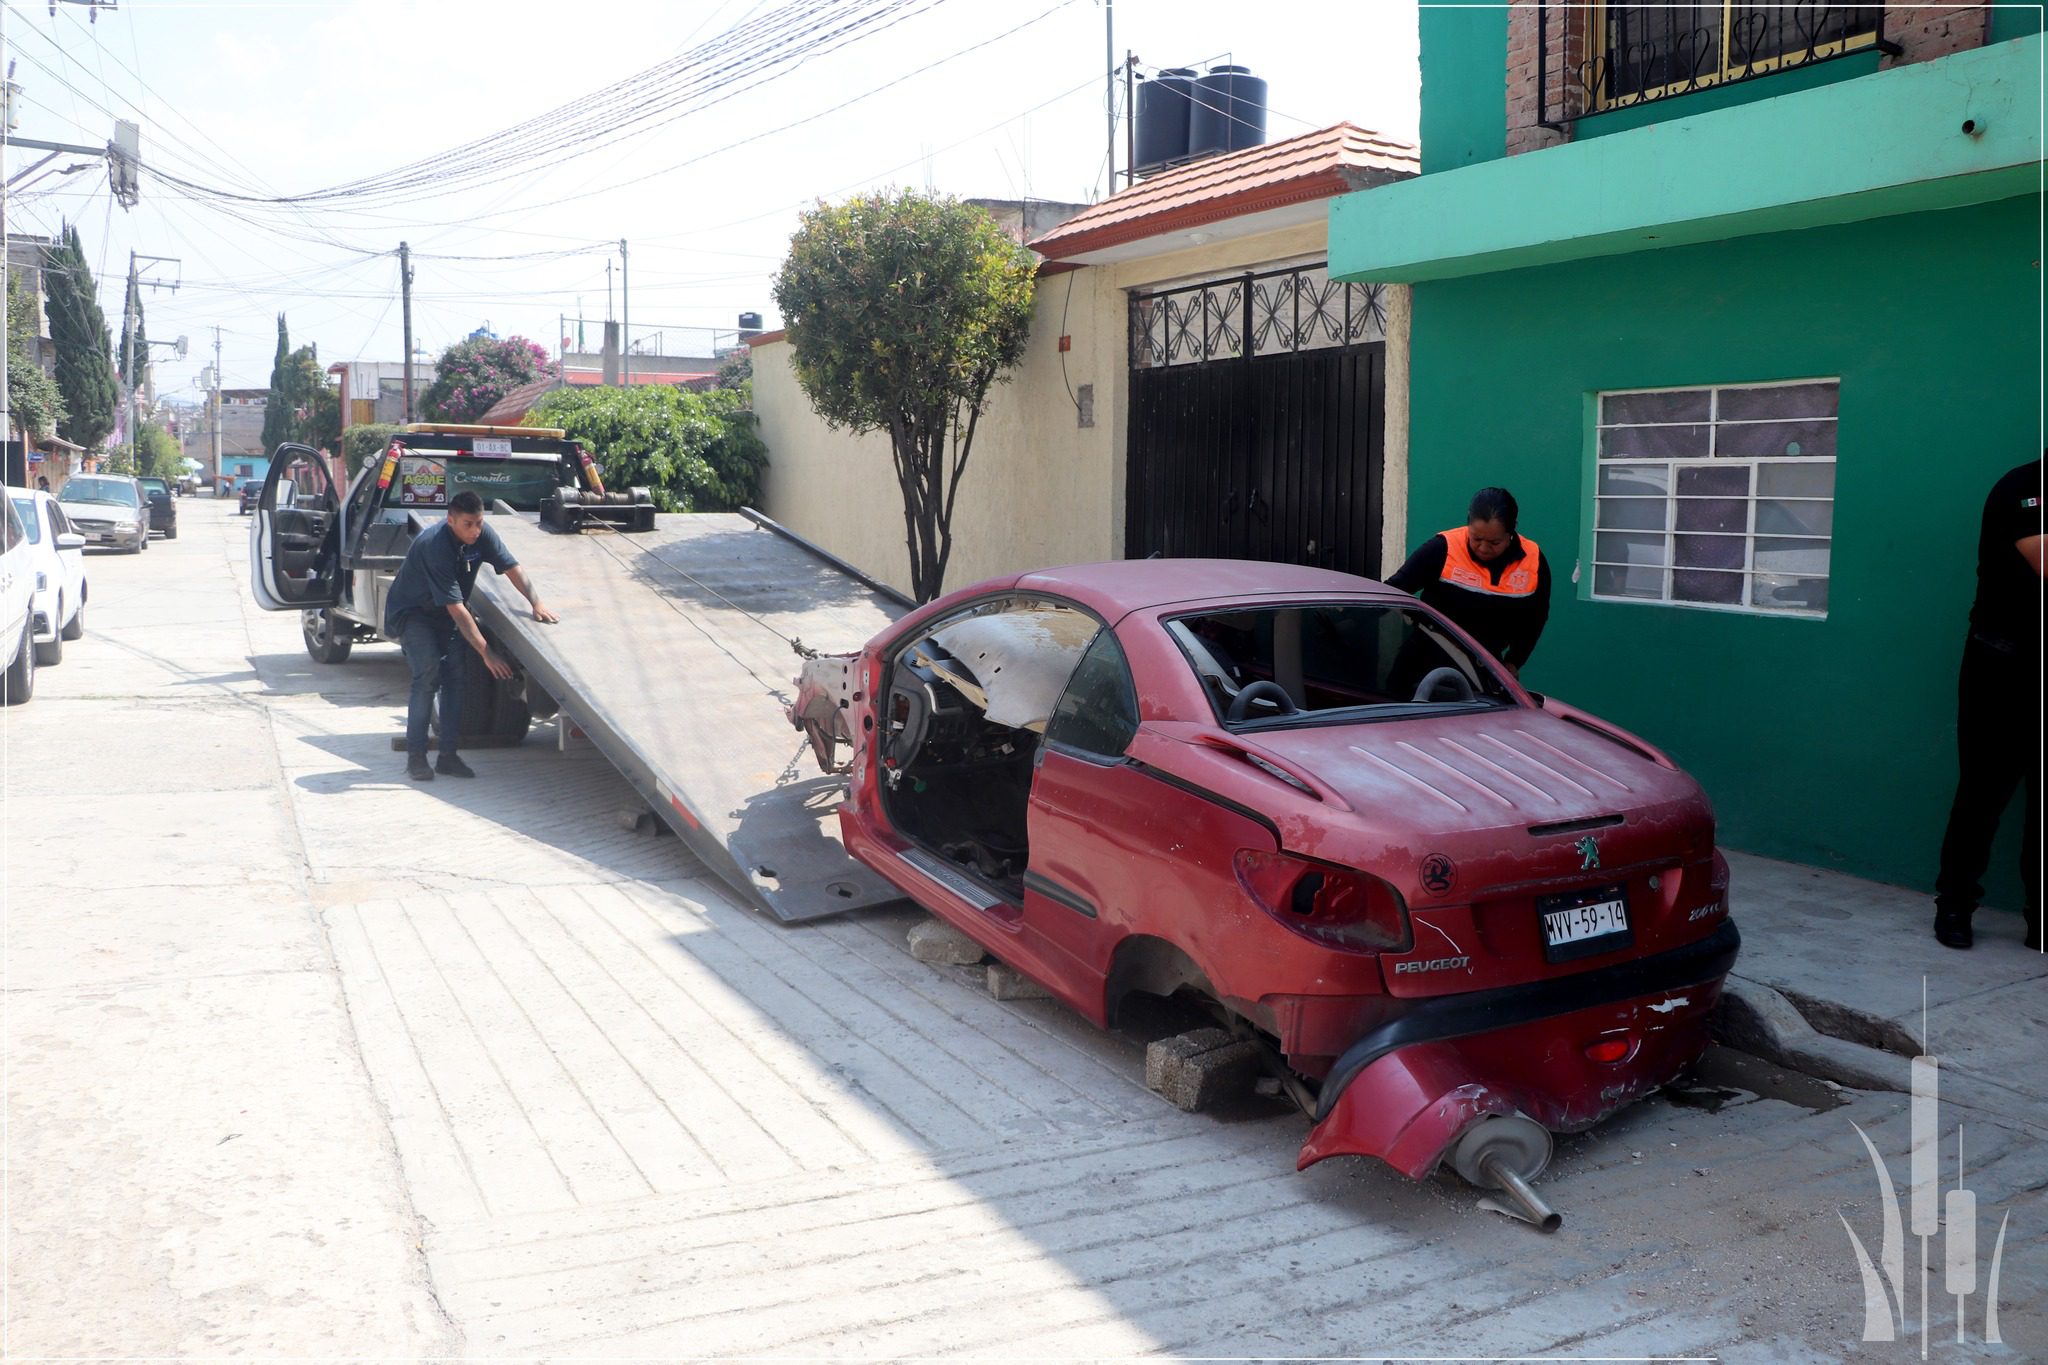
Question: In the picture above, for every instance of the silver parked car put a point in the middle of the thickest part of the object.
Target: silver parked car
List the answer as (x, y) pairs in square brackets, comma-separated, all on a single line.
[(107, 509)]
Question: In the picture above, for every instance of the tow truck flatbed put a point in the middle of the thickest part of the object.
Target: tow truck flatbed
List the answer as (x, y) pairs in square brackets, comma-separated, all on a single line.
[(674, 655)]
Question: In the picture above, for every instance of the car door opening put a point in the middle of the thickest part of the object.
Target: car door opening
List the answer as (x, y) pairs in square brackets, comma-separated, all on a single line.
[(967, 708)]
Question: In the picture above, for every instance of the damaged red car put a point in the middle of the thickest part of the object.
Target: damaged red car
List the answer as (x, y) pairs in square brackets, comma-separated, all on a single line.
[(1461, 916)]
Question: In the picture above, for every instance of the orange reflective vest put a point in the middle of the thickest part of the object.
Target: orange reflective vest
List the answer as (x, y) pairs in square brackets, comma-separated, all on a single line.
[(1463, 571)]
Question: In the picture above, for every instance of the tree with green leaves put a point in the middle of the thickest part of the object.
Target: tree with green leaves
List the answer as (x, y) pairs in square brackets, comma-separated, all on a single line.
[(33, 401), (277, 407), (903, 311), (695, 452), (473, 374), (78, 329)]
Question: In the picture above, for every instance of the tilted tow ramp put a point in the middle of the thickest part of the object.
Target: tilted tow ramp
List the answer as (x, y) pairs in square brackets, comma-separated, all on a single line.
[(672, 642)]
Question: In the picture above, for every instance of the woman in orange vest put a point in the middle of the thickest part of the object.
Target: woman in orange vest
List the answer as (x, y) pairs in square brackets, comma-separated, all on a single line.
[(1491, 581)]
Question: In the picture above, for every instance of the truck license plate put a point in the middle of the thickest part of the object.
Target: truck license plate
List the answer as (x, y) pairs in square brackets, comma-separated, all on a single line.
[(1581, 923)]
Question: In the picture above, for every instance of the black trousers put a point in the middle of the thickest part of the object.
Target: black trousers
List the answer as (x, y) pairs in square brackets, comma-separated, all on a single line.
[(1998, 741)]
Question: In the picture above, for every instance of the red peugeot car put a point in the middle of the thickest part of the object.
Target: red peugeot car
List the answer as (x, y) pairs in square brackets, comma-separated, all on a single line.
[(1462, 916)]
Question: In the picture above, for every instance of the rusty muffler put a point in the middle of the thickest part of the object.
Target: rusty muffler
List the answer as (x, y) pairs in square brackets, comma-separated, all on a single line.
[(1504, 1152)]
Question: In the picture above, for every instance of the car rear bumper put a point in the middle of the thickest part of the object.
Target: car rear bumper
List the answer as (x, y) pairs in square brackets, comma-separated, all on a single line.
[(1405, 1091)]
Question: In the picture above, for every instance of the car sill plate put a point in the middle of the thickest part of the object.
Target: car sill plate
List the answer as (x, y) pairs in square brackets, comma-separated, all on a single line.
[(1582, 923), (955, 881)]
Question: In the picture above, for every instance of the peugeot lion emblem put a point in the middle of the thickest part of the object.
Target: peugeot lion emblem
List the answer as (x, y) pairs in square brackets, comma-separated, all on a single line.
[(1589, 853)]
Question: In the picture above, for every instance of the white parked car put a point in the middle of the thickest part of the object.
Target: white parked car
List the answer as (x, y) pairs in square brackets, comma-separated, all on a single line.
[(17, 591), (107, 509), (57, 612)]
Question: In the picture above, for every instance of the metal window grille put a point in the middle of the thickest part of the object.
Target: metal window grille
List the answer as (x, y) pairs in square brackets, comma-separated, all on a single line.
[(1717, 497), (1615, 56), (1299, 308)]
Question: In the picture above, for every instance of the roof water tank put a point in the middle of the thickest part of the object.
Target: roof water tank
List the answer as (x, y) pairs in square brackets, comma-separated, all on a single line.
[(1163, 110), (1229, 113)]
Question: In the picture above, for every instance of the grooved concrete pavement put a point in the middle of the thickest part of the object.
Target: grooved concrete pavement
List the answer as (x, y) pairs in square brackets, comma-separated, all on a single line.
[(306, 1059)]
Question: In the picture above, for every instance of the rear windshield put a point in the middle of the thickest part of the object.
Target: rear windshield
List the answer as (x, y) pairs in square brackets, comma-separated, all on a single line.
[(428, 478), (1332, 663), (112, 492), (154, 485)]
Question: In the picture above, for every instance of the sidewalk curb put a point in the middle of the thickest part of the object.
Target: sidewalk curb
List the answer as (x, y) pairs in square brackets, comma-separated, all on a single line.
[(1760, 1020)]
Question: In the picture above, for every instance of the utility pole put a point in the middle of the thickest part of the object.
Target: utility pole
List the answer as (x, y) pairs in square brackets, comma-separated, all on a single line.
[(128, 363), (1130, 122), (1109, 90), (405, 293), (6, 294), (213, 402), (625, 319)]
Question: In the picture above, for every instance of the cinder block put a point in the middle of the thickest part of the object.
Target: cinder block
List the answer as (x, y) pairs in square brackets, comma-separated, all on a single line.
[(1007, 983), (935, 941), (1192, 1071)]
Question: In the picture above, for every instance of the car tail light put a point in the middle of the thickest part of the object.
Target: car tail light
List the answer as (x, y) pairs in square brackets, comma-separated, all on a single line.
[(1336, 906), (1614, 1049)]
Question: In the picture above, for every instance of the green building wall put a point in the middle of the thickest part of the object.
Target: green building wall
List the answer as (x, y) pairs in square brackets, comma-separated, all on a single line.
[(1824, 741), (1464, 86)]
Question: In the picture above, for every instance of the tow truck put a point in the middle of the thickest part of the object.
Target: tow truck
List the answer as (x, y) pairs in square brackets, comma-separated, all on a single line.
[(678, 639)]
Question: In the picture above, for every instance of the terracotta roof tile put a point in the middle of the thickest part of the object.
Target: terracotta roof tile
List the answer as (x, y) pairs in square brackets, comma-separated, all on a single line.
[(517, 402), (1330, 161)]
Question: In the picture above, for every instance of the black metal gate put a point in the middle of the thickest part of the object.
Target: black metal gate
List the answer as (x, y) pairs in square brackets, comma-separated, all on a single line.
[(1271, 450)]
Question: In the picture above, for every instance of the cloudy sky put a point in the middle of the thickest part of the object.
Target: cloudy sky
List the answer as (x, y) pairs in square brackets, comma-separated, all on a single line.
[(702, 174)]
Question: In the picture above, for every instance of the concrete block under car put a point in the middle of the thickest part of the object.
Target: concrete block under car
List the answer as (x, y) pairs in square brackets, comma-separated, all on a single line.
[(1007, 983), (1192, 1071), (937, 942)]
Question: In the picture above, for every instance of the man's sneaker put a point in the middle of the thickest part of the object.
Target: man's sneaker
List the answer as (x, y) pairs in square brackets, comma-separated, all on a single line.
[(418, 771), (1952, 928), (454, 767)]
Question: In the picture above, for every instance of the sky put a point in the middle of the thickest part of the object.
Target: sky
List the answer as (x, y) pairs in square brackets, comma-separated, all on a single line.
[(977, 98)]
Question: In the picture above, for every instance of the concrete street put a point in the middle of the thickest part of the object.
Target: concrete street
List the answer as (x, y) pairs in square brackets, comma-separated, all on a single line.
[(304, 1059)]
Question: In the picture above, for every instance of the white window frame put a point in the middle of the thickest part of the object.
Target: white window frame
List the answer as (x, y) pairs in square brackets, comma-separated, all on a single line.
[(1714, 423)]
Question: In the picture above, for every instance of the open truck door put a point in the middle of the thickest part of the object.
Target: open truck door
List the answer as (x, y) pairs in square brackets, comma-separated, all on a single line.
[(295, 538)]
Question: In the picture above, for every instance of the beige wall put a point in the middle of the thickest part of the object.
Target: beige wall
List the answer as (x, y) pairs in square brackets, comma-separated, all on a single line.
[(1040, 489)]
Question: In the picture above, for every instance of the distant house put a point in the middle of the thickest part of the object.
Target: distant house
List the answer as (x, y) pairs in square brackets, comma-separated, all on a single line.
[(373, 391), (242, 455), (1195, 384)]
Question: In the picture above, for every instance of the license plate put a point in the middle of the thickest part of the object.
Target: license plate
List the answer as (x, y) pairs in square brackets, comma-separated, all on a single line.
[(1581, 923)]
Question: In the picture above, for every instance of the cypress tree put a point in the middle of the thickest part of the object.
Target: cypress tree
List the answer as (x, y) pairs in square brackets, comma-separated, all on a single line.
[(78, 329), (277, 409)]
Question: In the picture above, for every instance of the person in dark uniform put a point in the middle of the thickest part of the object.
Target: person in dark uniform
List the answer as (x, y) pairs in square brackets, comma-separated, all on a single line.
[(427, 612), (1492, 581), (1998, 717)]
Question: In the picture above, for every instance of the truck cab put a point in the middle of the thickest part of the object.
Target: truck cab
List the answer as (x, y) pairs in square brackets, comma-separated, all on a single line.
[(331, 553)]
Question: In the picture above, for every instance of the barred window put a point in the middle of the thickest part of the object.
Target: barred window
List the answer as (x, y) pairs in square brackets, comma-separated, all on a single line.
[(1717, 497), (1649, 51)]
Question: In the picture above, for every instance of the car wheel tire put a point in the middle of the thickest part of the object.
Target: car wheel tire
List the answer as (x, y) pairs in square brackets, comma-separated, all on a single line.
[(19, 684), (171, 534), (75, 627), (326, 640), (52, 653)]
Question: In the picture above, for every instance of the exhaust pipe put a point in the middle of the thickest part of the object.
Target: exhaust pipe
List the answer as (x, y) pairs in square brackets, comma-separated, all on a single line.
[(1505, 1152)]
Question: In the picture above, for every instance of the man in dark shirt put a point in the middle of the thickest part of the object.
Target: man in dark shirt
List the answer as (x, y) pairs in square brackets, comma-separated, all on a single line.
[(1492, 581), (1998, 721), (427, 612)]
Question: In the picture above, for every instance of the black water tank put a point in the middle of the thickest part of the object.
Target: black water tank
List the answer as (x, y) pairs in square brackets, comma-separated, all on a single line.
[(750, 322), (1229, 113), (1163, 116)]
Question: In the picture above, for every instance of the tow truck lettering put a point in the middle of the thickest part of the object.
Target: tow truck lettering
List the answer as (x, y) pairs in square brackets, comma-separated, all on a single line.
[(1434, 964)]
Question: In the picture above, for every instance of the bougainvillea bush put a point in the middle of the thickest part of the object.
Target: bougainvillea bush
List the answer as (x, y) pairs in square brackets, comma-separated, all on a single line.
[(473, 375)]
